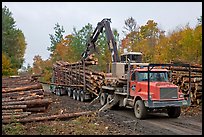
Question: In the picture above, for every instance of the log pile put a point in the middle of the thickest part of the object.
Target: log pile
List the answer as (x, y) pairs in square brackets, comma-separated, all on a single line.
[(180, 77), (78, 73), (21, 97)]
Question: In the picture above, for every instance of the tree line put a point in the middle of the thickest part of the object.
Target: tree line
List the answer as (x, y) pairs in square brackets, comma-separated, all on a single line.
[(181, 45)]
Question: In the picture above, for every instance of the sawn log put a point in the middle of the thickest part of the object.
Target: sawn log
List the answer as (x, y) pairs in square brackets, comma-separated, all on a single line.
[(52, 117)]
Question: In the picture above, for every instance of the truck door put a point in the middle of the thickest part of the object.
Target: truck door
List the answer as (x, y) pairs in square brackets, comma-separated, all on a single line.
[(133, 83)]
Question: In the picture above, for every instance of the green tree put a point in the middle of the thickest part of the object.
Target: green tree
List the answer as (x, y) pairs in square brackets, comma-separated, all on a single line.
[(13, 40), (56, 38), (80, 39)]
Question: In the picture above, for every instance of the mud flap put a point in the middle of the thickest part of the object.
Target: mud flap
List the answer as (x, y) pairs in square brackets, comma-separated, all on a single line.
[(94, 101), (109, 104)]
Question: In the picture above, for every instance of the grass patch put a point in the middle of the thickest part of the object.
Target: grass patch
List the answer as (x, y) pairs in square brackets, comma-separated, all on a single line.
[(44, 130), (14, 129), (86, 125)]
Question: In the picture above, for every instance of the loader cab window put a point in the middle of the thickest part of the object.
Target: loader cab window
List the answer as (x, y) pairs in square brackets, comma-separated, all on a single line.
[(137, 57)]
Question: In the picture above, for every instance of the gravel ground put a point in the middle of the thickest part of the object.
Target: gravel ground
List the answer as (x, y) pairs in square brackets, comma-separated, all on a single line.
[(112, 122)]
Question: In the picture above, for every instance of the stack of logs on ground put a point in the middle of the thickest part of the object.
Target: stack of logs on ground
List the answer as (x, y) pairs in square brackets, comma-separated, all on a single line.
[(180, 77), (76, 74), (21, 97)]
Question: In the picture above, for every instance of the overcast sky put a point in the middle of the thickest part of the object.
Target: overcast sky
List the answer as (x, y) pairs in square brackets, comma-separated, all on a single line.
[(37, 19)]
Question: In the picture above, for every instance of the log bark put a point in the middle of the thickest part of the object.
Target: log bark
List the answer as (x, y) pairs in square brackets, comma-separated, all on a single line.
[(14, 116), (25, 88), (52, 117), (12, 110), (23, 98), (30, 103), (36, 109), (14, 107), (14, 94), (15, 113)]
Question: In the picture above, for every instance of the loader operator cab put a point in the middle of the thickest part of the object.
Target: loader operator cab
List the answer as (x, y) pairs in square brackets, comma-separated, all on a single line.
[(120, 69), (134, 57)]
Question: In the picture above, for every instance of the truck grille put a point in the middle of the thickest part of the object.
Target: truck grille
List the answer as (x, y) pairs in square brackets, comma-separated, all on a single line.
[(168, 93)]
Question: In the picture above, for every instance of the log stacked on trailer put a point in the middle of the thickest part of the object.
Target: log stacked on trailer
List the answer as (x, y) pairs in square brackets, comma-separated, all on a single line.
[(22, 96), (180, 77), (66, 73)]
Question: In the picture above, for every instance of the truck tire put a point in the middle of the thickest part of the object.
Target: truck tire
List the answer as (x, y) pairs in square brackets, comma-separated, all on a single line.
[(74, 94), (52, 89), (78, 95), (140, 110), (109, 98), (58, 92), (103, 99), (174, 112), (69, 93), (82, 96)]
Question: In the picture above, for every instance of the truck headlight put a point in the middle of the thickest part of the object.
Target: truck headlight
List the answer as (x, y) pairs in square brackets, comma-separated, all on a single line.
[(181, 96)]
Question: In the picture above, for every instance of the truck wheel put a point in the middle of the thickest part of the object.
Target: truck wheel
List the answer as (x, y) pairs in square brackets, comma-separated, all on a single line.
[(69, 92), (103, 99), (74, 94), (58, 92), (174, 112), (52, 89), (78, 95), (82, 96), (109, 98), (140, 110)]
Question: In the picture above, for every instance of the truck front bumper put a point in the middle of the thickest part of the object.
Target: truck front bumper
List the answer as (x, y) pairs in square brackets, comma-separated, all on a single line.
[(160, 104)]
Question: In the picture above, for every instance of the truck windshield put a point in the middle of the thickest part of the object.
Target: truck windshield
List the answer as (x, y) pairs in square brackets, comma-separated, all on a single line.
[(154, 76)]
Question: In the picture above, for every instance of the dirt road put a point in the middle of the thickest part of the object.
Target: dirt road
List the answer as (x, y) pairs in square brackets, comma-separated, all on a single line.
[(124, 121), (156, 124), (111, 122)]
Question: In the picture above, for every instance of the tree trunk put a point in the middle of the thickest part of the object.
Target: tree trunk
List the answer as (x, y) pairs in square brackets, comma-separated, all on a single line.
[(29, 103), (14, 106), (25, 88), (52, 117)]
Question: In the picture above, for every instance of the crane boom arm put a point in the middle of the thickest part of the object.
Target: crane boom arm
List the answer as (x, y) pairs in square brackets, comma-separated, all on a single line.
[(105, 23)]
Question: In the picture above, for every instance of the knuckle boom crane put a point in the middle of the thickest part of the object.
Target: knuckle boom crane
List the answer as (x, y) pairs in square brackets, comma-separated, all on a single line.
[(105, 23)]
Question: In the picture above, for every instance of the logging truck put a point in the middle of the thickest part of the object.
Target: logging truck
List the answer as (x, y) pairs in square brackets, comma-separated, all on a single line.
[(145, 87)]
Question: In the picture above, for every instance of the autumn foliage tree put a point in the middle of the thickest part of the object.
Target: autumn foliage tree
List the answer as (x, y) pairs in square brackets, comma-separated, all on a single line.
[(180, 45), (183, 45), (42, 67), (6, 65)]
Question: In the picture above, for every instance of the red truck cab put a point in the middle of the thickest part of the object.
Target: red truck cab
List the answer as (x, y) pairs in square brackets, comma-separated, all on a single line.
[(152, 90)]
